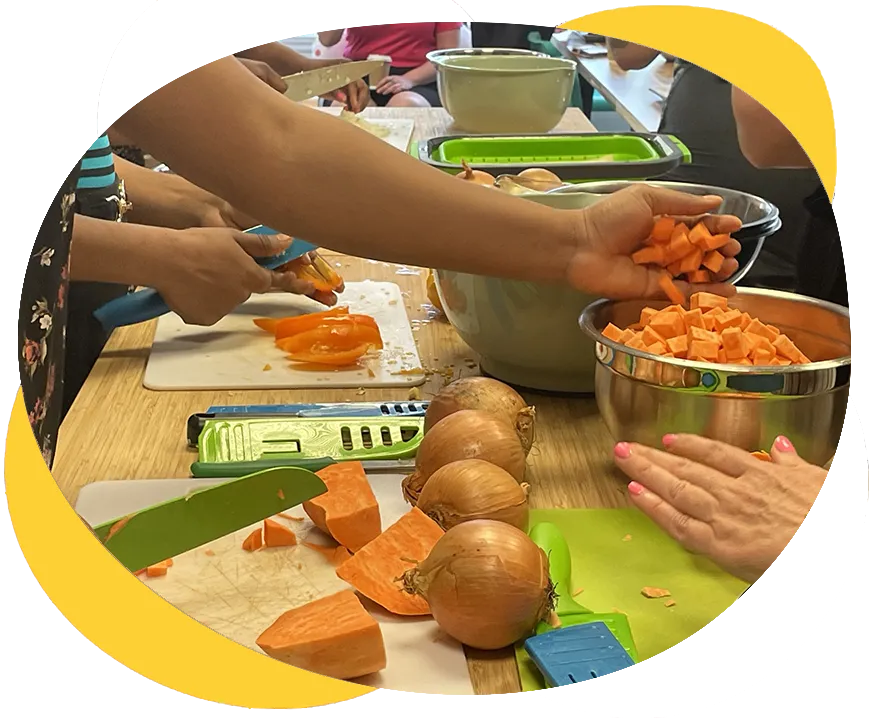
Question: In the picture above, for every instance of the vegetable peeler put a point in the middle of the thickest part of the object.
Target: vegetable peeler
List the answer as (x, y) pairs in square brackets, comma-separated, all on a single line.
[(147, 304), (570, 613)]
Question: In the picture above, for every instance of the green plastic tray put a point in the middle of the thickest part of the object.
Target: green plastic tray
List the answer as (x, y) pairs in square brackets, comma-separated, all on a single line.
[(342, 439), (578, 156)]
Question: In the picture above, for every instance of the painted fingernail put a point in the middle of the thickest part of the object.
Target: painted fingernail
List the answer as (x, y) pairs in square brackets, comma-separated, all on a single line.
[(622, 450), (668, 440), (635, 488), (782, 443)]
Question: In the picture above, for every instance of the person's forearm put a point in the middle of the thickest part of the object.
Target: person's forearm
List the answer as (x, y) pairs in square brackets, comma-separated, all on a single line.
[(628, 55), (117, 252), (282, 59), (161, 199), (763, 139), (422, 75), (330, 38), (313, 176)]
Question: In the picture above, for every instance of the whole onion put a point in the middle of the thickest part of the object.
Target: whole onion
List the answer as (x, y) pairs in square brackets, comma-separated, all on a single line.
[(473, 489), (486, 582), (483, 394), (465, 435)]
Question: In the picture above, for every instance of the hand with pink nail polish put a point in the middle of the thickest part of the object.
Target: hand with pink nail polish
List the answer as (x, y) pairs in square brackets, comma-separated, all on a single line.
[(721, 501)]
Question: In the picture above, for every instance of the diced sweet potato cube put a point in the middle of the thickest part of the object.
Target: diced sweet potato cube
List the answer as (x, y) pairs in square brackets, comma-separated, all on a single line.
[(780, 361), (678, 249), (691, 263), (679, 230), (703, 351), (626, 336), (751, 339), (612, 332), (727, 320), (701, 276), (674, 294), (712, 243), (713, 261), (735, 347), (636, 342), (663, 230), (695, 334), (785, 347), (658, 348), (761, 357), (722, 356), (678, 346), (675, 269), (744, 321), (699, 232), (704, 301), (668, 324), (762, 330), (672, 308), (651, 336), (646, 315), (653, 254), (694, 318)]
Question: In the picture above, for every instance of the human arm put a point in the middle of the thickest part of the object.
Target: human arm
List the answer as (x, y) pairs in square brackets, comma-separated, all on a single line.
[(629, 55), (763, 139), (330, 38), (292, 166)]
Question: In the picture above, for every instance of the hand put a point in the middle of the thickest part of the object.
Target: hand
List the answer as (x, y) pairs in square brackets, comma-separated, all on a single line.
[(393, 84), (721, 501), (265, 73), (355, 96), (619, 224), (213, 272)]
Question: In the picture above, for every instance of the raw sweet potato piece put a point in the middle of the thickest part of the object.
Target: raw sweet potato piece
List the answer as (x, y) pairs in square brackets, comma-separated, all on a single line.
[(712, 243), (699, 233), (336, 555), (693, 318), (701, 276), (668, 324), (612, 332), (677, 250), (650, 336), (678, 346), (762, 330), (704, 301), (674, 294), (334, 636), (374, 569), (276, 534), (703, 351), (735, 347), (785, 347), (646, 315), (662, 232), (254, 542), (636, 342), (653, 254), (762, 455), (159, 569), (728, 319), (348, 511), (691, 263), (658, 348), (713, 261)]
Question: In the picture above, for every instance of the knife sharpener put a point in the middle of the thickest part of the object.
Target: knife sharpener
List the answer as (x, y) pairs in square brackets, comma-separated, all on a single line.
[(147, 304), (577, 653)]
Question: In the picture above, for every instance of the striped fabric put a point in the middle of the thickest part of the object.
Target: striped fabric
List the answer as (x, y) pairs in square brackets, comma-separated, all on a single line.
[(97, 166)]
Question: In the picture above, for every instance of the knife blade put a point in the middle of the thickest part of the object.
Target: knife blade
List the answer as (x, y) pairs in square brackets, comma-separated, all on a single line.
[(147, 304), (174, 527), (315, 83), (231, 469)]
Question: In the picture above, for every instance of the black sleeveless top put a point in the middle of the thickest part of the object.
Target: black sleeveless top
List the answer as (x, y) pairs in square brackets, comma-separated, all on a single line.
[(821, 265)]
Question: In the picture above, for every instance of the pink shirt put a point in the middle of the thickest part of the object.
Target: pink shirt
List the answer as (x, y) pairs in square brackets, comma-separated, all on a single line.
[(406, 43)]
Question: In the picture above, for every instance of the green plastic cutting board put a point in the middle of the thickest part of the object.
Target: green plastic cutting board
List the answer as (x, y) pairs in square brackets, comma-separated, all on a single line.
[(343, 439), (612, 573)]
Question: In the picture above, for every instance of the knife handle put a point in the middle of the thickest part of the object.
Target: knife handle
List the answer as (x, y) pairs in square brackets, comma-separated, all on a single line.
[(550, 539), (236, 469)]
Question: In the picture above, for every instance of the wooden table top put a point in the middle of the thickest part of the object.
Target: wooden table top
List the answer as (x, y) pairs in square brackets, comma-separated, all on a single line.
[(117, 429)]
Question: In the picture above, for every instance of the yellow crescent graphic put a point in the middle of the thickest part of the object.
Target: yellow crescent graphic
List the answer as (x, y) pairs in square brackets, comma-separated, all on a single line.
[(755, 56), (124, 618)]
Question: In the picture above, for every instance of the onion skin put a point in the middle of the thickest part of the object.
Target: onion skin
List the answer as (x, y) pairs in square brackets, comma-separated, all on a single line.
[(483, 394), (542, 176), (463, 435), (476, 176), (487, 584), (471, 490)]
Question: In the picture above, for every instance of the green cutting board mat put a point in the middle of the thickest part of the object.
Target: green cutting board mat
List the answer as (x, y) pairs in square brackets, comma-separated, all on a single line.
[(612, 573)]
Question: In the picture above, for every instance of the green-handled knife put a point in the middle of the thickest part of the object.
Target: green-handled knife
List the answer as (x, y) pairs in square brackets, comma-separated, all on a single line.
[(548, 537), (169, 529)]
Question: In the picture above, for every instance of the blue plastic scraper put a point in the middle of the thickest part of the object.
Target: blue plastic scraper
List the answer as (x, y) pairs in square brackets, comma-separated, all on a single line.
[(574, 654)]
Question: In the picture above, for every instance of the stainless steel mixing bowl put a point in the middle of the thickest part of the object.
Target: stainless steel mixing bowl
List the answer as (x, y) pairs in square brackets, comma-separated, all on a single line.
[(642, 397)]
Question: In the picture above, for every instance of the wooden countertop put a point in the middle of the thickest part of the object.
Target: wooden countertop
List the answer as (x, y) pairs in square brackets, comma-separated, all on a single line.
[(119, 430)]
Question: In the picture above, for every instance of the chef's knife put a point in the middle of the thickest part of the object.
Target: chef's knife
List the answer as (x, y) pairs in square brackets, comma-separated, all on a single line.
[(316, 83), (170, 529), (229, 469), (147, 304)]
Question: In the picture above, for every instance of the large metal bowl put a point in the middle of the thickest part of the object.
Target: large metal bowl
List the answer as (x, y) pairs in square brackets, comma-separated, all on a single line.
[(642, 397), (760, 219), (498, 91), (525, 333)]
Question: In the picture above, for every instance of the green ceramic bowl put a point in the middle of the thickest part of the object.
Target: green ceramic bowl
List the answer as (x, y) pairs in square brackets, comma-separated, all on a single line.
[(502, 92)]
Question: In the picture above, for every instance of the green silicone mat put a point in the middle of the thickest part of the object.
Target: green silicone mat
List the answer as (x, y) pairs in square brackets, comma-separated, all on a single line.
[(545, 149), (343, 439), (612, 572)]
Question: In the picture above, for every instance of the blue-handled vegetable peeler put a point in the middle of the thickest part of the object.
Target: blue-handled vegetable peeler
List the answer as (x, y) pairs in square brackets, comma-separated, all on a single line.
[(147, 304)]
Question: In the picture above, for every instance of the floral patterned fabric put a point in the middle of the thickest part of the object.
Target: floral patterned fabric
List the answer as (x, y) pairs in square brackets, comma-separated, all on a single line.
[(43, 317)]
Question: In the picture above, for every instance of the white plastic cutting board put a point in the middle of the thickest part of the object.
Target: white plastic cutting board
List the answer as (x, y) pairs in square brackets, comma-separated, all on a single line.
[(239, 595), (400, 130), (234, 353)]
